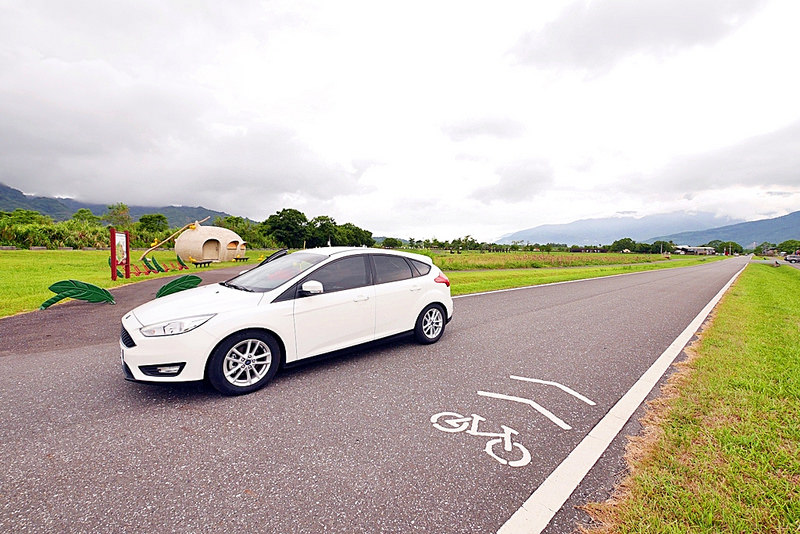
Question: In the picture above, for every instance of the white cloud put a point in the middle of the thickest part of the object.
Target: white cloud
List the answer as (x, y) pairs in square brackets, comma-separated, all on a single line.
[(415, 119)]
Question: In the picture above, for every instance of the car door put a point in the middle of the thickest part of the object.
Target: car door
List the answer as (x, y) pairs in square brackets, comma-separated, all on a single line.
[(397, 295), (342, 315)]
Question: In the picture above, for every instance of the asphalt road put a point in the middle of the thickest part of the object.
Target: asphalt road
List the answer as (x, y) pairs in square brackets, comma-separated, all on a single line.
[(340, 445)]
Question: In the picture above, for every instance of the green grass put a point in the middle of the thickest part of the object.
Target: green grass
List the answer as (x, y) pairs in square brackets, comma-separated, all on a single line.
[(727, 458), (465, 282), (473, 260), (26, 275)]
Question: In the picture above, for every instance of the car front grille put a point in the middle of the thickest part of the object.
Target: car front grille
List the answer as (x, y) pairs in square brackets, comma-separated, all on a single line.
[(126, 338)]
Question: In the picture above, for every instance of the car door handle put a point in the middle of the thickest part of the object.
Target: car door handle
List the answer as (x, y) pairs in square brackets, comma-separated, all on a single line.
[(360, 298), (415, 288)]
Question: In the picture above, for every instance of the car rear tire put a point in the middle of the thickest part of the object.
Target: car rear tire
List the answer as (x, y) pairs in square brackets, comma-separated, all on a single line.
[(244, 362), (430, 324)]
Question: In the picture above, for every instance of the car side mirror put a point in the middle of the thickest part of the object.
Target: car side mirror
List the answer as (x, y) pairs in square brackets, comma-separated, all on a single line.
[(311, 287)]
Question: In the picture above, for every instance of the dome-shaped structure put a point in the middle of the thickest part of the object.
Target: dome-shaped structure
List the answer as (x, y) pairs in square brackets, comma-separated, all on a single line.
[(209, 243)]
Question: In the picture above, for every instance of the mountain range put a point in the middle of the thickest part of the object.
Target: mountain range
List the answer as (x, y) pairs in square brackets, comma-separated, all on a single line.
[(748, 234), (682, 228), (61, 209)]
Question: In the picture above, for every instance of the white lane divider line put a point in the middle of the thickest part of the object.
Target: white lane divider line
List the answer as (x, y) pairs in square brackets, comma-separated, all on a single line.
[(537, 511), (541, 409), (562, 387)]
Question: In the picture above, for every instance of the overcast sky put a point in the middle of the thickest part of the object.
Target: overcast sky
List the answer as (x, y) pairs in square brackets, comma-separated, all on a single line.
[(410, 119)]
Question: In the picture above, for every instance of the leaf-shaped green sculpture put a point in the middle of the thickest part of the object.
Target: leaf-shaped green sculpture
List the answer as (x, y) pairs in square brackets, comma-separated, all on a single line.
[(78, 290), (119, 273), (179, 284), (158, 266), (149, 265)]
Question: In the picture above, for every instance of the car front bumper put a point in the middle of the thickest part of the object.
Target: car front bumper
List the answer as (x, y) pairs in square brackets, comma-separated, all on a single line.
[(177, 358)]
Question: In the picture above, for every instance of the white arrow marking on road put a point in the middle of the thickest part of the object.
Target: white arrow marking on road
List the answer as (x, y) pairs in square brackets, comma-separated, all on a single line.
[(556, 384), (544, 411)]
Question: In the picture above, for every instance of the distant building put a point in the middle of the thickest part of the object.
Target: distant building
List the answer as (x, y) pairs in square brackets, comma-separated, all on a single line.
[(699, 251)]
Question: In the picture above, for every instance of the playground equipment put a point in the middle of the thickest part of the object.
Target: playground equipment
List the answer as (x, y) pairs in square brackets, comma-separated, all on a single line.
[(209, 244)]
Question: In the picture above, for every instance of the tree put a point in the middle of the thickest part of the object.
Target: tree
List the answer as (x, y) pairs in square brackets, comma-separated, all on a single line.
[(661, 247), (154, 222), (391, 242), (725, 247), (623, 244), (353, 236), (118, 216), (322, 231), (717, 244), (86, 215), (790, 246), (289, 227), (21, 216)]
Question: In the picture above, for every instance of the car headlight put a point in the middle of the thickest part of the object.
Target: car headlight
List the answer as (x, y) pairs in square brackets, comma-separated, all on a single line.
[(175, 326)]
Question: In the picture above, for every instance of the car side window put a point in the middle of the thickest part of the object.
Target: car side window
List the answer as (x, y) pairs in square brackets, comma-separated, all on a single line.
[(346, 273), (391, 269)]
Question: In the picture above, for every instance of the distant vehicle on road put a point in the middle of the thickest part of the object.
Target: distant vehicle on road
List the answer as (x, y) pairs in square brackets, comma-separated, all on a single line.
[(238, 333), (792, 258)]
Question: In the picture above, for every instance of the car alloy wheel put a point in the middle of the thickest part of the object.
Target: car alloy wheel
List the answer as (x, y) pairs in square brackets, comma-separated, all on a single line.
[(430, 324), (244, 362), (247, 362)]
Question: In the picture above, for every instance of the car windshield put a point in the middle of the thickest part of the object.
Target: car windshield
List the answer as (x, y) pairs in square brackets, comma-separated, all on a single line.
[(275, 273)]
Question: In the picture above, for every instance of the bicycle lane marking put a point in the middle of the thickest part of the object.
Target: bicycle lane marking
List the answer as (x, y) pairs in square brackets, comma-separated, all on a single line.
[(537, 511), (459, 423), (542, 410), (562, 387)]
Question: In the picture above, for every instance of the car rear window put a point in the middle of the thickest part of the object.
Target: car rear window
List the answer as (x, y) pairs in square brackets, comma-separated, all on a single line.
[(421, 267)]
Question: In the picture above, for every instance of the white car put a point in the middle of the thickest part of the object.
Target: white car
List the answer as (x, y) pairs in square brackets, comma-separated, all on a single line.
[(237, 334)]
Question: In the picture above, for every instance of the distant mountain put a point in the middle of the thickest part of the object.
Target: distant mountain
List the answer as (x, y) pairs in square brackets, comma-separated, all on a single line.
[(61, 209), (606, 231), (775, 230)]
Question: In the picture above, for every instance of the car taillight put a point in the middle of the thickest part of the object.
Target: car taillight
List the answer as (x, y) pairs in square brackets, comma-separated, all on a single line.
[(442, 279)]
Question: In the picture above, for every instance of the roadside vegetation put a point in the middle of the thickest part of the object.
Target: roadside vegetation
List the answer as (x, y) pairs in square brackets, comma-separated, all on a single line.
[(26, 275), (472, 281), (721, 447), (533, 260)]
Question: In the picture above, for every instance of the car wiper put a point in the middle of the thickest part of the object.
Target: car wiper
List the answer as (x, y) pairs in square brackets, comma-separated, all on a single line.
[(235, 286)]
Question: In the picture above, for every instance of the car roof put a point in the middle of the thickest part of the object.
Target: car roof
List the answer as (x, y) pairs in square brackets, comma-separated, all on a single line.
[(330, 251)]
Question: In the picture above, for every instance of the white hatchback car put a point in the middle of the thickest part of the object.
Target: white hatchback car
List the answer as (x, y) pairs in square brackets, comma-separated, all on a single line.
[(238, 333)]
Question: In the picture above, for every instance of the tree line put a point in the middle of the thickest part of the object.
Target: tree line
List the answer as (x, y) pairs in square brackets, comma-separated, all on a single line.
[(287, 228)]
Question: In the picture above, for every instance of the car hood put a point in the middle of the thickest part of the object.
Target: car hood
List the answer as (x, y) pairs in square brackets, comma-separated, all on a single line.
[(213, 298)]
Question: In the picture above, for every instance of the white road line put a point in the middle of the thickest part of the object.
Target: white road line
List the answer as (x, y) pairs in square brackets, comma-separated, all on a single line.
[(539, 408), (550, 284), (537, 511), (562, 387)]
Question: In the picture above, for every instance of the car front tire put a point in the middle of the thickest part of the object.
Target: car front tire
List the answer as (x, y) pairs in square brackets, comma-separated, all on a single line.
[(244, 362), (430, 324)]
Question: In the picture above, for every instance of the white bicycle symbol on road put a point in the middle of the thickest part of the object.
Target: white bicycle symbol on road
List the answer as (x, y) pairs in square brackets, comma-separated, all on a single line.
[(455, 422)]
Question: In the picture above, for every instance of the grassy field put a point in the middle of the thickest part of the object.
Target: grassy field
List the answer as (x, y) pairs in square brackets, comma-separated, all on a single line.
[(26, 275), (534, 260), (723, 452), (464, 282)]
